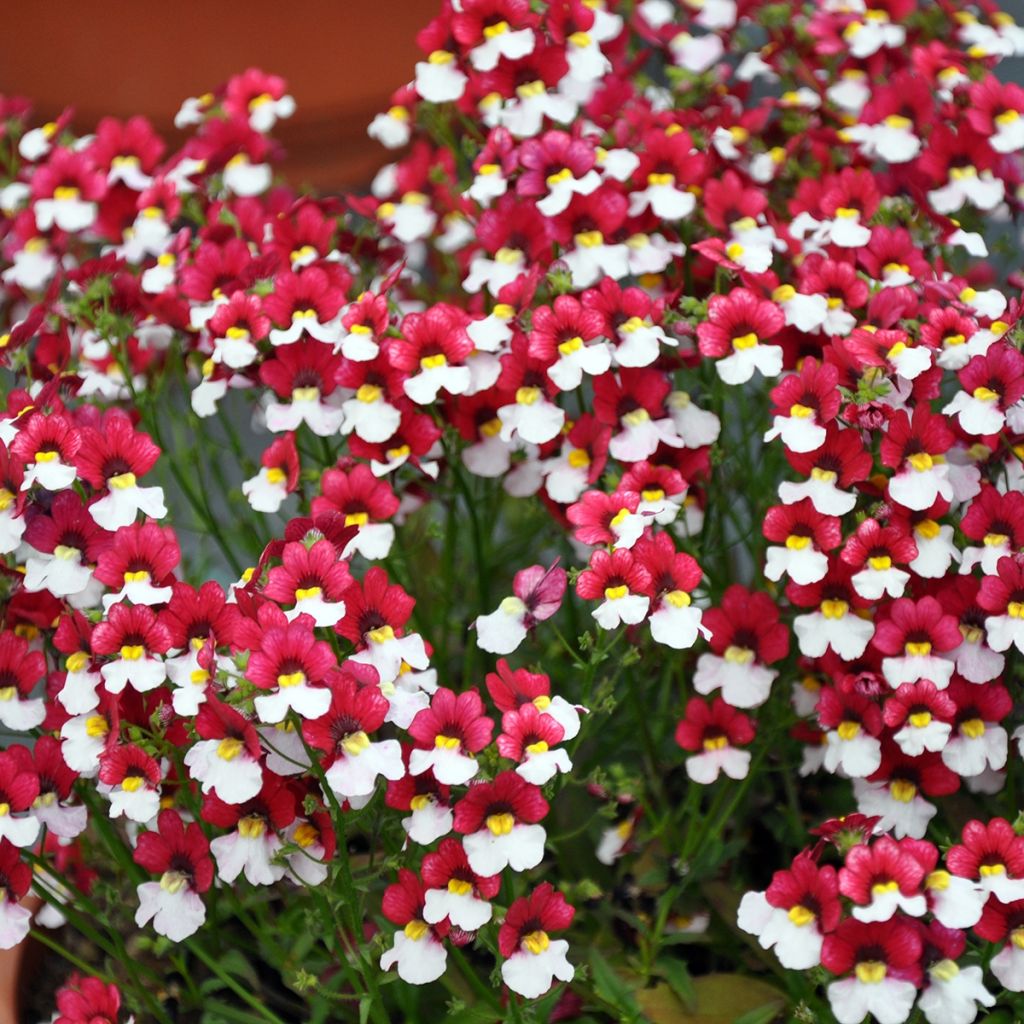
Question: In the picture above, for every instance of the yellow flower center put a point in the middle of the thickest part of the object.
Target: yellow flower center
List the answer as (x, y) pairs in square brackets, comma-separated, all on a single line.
[(800, 915), (288, 679), (133, 652), (738, 655), (355, 743), (382, 635), (229, 748), (848, 730), (459, 886), (797, 543), (744, 341), (973, 728), (920, 719), (616, 593), (540, 747), (578, 458), (306, 593), (415, 930), (500, 824), (903, 790), (96, 727), (252, 827), (307, 394), (880, 563), (434, 362), (918, 650), (572, 345), (443, 742), (678, 598), (536, 942), (870, 972), (716, 743), (921, 461)]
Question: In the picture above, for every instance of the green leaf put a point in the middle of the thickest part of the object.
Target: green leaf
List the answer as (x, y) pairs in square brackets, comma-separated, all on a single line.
[(610, 988), (675, 973)]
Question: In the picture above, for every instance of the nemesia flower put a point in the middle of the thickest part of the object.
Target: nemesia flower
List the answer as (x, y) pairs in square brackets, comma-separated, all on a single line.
[(622, 581), (738, 325), (883, 959), (354, 761), (226, 758), (15, 920), (137, 640), (454, 891), (537, 595), (448, 734), (180, 854), (418, 950), (512, 689), (498, 821), (794, 913), (532, 960), (746, 637), (713, 732)]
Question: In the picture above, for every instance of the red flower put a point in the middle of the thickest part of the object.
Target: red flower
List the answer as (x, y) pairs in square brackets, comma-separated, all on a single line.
[(800, 524), (881, 863), (507, 794), (87, 1001), (131, 626), (140, 552), (453, 717), (356, 494), (512, 689), (374, 605), (811, 393), (435, 338), (115, 452), (308, 572), (289, 651), (524, 729), (747, 621), (916, 628), (987, 849), (596, 512), (895, 943), (544, 910), (813, 889), (611, 571), (173, 847), (448, 863), (735, 318), (710, 726), (879, 546)]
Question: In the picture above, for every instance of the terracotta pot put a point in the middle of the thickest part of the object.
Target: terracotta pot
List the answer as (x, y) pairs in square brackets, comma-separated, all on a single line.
[(342, 59)]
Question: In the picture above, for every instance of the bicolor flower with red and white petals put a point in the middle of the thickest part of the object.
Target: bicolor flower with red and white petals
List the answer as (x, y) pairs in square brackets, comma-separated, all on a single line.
[(854, 723), (921, 717), (448, 734), (874, 551), (735, 333), (303, 376), (454, 891), (529, 736), (915, 447), (533, 961), (803, 536), (914, 636), (354, 761), (292, 664), (364, 501), (21, 669), (139, 560), (991, 383), (137, 640), (795, 912), (418, 949), (252, 845), (226, 759), (432, 351), (47, 447), (883, 958), (313, 579), (1003, 920), (113, 458), (429, 804), (804, 403), (1002, 596), (15, 879), (512, 689), (713, 732), (830, 471), (130, 779), (622, 581), (746, 637), (992, 856), (180, 854), (278, 476), (675, 621), (883, 879), (834, 622), (499, 824)]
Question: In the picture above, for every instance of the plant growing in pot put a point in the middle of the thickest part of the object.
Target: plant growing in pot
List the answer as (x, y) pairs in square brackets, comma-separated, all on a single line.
[(437, 601)]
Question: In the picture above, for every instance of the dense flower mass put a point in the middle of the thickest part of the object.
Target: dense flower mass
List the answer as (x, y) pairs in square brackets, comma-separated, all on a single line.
[(467, 578)]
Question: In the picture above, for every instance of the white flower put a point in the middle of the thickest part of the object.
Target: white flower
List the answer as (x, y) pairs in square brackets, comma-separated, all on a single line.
[(249, 849), (420, 957), (796, 938), (889, 1000), (429, 820), (705, 767), (852, 751), (458, 903), (953, 994), (504, 629), (531, 973), (744, 683), (175, 910), (355, 772), (492, 849), (225, 767)]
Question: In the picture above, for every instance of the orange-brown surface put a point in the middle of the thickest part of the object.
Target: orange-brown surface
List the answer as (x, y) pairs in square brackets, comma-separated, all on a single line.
[(342, 60)]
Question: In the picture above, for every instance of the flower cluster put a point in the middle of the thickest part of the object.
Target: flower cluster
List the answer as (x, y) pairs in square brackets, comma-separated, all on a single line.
[(671, 326)]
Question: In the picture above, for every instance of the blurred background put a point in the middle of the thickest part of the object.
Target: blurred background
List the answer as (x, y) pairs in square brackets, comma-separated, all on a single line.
[(342, 60)]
